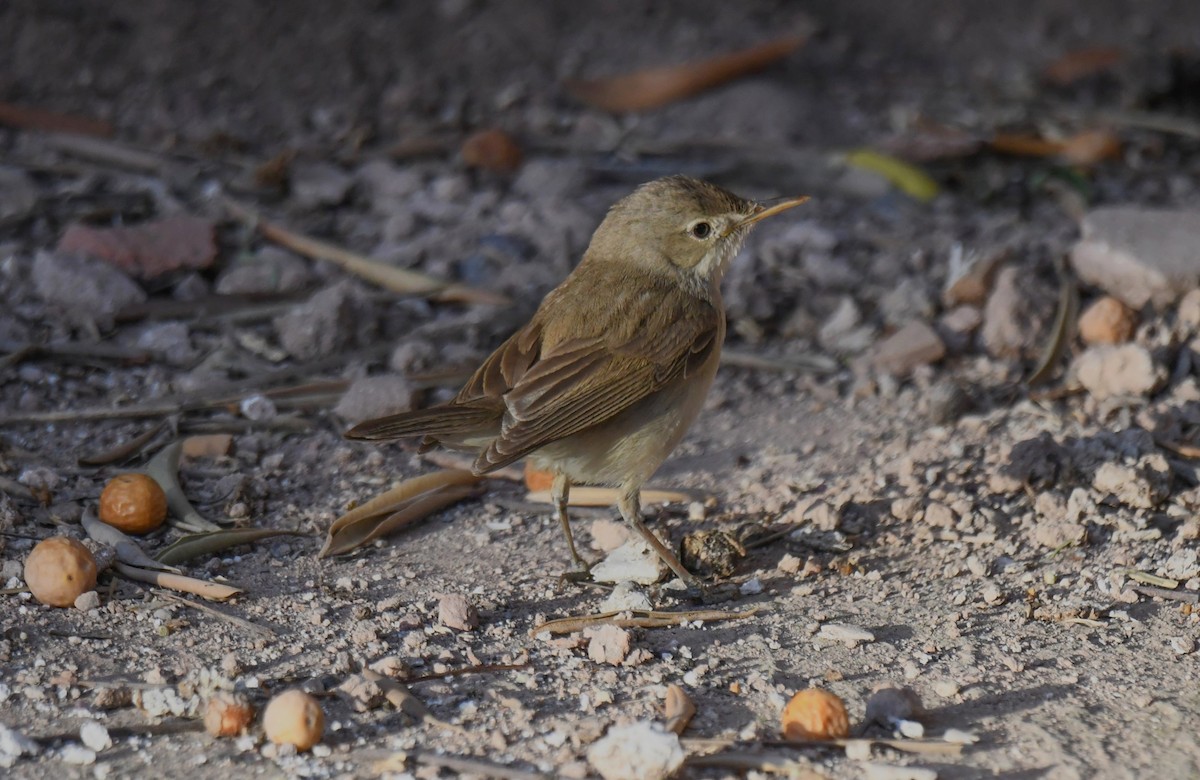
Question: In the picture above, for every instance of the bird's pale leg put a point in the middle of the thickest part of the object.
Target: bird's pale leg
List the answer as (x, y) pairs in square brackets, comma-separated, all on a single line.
[(561, 491), (631, 510)]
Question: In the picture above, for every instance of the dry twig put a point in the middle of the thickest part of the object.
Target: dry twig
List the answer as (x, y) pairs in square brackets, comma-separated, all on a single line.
[(638, 619), (387, 276)]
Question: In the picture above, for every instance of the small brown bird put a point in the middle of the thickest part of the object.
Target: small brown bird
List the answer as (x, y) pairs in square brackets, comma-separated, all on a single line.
[(614, 366)]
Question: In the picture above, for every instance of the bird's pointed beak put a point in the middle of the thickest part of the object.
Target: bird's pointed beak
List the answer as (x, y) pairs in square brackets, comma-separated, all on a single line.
[(771, 211)]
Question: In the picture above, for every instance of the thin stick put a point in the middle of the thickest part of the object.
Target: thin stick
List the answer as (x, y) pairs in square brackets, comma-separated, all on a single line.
[(213, 591), (638, 619), (205, 398), (1187, 597), (926, 747), (262, 632), (387, 276), (124, 732), (479, 669), (111, 153), (475, 766), (30, 118)]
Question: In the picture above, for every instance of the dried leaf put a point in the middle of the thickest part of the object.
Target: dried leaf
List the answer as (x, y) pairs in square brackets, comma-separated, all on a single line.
[(1080, 64), (905, 177), (213, 591), (148, 250), (127, 550), (927, 141), (412, 500), (678, 709), (207, 445), (275, 172), (28, 118), (1091, 147), (1084, 148), (387, 276), (600, 496), (654, 87), (126, 449), (1064, 326), (164, 468), (492, 150), (195, 545)]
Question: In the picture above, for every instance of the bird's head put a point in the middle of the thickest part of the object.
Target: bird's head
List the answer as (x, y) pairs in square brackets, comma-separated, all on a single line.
[(682, 226)]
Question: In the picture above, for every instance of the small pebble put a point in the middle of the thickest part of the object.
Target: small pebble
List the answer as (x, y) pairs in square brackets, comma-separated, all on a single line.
[(77, 755), (851, 636), (751, 587), (454, 611), (95, 736)]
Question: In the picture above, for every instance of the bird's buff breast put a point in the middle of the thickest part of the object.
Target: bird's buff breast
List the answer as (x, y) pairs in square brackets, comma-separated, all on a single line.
[(629, 448)]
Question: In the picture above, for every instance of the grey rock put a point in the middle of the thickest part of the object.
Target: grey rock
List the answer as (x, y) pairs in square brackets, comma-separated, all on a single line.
[(322, 325), (908, 300), (270, 270), (84, 287), (387, 185), (1016, 314), (318, 184), (916, 344), (843, 331), (847, 634), (1140, 255), (1126, 369), (171, 340), (375, 396), (18, 195)]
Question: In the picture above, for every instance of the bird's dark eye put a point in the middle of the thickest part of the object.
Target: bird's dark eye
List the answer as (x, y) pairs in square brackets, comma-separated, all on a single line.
[(701, 230)]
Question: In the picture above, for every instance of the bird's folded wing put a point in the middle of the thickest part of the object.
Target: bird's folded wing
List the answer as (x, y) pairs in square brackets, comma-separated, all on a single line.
[(580, 383)]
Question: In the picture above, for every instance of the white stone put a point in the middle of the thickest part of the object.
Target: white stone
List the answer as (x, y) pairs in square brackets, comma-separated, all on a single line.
[(639, 751), (633, 561)]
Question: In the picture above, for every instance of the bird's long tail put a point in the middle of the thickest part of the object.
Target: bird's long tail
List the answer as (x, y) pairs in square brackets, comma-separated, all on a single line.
[(449, 421)]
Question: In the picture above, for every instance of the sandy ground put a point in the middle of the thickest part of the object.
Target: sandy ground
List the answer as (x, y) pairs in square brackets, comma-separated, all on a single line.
[(946, 531)]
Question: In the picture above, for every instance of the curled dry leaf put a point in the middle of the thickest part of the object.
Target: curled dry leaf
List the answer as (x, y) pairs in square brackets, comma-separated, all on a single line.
[(654, 87), (213, 591), (164, 468), (127, 550), (492, 150), (599, 496), (1084, 148), (412, 500), (149, 250), (678, 709), (1082, 63), (904, 176), (195, 545), (1064, 326), (30, 118)]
